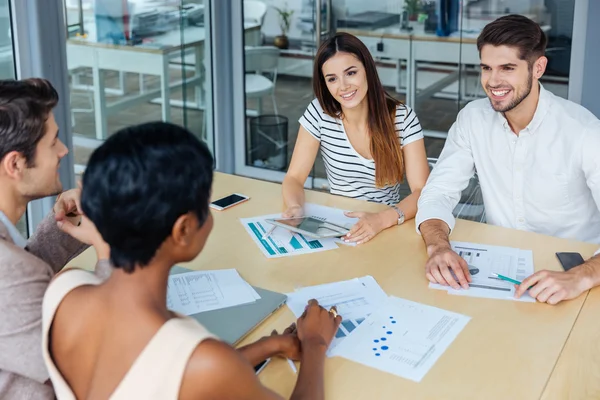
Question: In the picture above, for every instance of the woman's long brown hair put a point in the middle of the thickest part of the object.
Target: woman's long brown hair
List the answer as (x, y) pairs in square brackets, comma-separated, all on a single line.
[(385, 146)]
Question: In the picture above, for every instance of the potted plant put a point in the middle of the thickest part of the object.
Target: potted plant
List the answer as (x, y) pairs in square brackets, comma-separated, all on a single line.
[(285, 20), (412, 8)]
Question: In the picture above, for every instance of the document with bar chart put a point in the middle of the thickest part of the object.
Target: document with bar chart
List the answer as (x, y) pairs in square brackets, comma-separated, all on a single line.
[(354, 299), (281, 242), (484, 261), (403, 338)]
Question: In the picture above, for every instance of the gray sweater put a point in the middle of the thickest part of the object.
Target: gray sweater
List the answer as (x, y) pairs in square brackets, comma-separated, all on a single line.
[(24, 277)]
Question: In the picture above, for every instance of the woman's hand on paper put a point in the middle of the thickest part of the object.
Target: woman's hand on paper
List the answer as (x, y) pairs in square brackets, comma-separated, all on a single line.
[(369, 225), (317, 326)]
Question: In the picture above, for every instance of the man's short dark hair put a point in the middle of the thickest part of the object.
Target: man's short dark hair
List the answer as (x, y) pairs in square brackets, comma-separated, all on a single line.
[(139, 182), (24, 108), (515, 31)]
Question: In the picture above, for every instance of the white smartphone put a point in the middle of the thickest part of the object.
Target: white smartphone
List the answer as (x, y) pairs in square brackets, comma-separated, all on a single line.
[(228, 201)]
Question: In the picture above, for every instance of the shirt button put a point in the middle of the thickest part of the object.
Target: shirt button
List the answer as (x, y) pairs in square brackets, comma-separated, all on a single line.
[(521, 220), (514, 141), (518, 169)]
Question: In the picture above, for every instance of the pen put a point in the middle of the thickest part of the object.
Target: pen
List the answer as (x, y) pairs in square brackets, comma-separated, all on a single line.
[(292, 365), (268, 233), (505, 278)]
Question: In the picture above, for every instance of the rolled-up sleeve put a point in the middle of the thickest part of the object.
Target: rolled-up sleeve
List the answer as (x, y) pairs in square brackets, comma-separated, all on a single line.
[(449, 177)]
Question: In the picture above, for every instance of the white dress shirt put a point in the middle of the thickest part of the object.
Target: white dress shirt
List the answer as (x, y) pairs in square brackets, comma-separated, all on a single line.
[(545, 180), (14, 233)]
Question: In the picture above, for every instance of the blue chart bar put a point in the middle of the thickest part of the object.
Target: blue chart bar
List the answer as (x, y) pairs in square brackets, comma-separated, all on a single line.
[(315, 244), (282, 250), (340, 333), (295, 243), (259, 236), (349, 325)]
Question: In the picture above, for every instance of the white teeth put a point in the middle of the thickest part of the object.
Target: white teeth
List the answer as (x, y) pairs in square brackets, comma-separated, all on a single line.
[(346, 96), (500, 93)]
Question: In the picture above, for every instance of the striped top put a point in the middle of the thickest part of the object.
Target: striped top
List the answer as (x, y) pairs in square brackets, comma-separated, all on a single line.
[(348, 173)]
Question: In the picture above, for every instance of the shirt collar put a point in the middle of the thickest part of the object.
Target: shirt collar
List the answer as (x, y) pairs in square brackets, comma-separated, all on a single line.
[(538, 116), (13, 232)]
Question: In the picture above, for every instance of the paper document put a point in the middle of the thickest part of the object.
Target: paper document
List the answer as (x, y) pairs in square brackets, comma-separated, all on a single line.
[(403, 338), (483, 260), (282, 242), (198, 291), (354, 299)]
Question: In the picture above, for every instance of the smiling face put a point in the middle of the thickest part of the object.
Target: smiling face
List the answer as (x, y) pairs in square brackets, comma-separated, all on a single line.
[(506, 79), (43, 178), (346, 79)]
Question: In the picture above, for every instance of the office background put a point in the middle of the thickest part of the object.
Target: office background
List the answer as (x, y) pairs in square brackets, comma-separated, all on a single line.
[(222, 68)]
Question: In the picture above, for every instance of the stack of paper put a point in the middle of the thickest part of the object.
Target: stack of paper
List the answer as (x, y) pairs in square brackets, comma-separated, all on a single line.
[(355, 300), (198, 291), (282, 243), (483, 260), (391, 334)]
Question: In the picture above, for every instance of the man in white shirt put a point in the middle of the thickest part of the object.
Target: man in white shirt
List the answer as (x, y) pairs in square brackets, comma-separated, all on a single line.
[(536, 156)]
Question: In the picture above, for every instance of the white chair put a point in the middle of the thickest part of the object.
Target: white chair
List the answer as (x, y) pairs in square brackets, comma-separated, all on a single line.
[(255, 11), (258, 61)]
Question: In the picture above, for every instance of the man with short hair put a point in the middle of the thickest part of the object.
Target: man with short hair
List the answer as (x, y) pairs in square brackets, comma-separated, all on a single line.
[(536, 158), (30, 154)]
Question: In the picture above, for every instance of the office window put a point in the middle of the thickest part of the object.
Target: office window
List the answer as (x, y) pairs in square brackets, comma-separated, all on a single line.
[(7, 58), (135, 61), (7, 68)]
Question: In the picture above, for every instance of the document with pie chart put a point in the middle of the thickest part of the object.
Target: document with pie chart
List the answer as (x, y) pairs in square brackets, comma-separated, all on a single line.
[(403, 338)]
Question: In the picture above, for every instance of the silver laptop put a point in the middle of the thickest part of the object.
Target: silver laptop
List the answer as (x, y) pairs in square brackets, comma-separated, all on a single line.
[(232, 324)]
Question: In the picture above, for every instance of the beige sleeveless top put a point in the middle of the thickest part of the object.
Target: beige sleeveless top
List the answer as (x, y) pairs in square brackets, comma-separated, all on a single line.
[(158, 370)]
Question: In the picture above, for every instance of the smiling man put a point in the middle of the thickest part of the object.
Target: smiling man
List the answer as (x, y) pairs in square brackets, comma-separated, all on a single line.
[(536, 158), (30, 155)]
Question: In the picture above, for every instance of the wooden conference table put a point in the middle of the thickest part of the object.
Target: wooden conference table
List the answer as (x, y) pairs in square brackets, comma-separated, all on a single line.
[(508, 350)]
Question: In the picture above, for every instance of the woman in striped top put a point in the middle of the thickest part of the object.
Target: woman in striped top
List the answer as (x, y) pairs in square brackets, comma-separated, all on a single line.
[(368, 140)]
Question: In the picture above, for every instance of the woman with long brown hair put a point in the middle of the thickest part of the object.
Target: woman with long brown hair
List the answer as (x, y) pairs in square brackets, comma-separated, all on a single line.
[(368, 140)]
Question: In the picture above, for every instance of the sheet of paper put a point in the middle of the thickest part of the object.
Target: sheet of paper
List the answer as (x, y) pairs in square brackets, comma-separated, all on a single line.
[(403, 338), (354, 299), (281, 242), (483, 260), (198, 291)]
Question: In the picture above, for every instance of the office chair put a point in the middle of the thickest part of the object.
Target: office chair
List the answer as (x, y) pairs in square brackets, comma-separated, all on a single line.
[(470, 205)]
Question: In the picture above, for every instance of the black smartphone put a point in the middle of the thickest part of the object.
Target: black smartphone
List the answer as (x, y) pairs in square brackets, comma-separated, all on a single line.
[(260, 366), (569, 260), (228, 201)]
